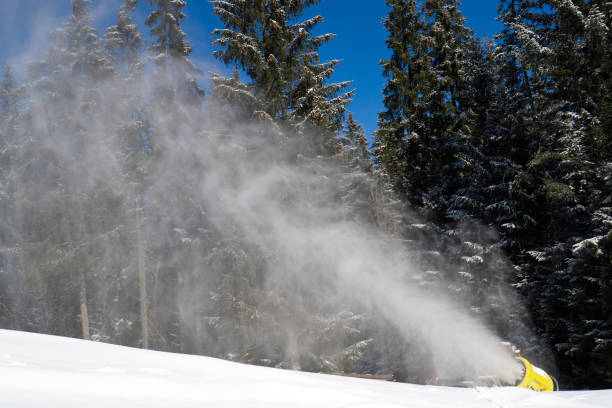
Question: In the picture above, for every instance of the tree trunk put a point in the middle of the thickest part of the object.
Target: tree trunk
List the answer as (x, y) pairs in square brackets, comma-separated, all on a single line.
[(83, 301), (142, 284)]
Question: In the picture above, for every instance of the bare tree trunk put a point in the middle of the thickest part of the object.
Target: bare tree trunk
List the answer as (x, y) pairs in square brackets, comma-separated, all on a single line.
[(83, 301), (142, 284)]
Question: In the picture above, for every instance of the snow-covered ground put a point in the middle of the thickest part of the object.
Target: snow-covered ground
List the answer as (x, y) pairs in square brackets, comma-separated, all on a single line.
[(56, 372)]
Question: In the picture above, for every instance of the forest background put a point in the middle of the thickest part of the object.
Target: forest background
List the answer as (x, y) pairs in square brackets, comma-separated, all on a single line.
[(248, 222)]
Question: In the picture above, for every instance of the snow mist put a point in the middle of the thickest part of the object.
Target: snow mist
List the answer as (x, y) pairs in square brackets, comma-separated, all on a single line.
[(290, 209), (246, 181)]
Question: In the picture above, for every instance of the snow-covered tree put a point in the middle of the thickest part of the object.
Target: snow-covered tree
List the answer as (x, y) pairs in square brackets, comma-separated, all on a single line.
[(123, 40), (280, 55), (10, 94), (64, 92), (538, 143), (176, 74), (425, 99), (402, 123), (10, 97)]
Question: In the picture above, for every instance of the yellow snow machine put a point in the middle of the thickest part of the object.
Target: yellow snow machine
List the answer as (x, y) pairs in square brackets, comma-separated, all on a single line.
[(534, 378)]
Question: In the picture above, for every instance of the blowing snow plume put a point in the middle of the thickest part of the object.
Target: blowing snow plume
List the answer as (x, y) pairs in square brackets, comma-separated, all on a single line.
[(137, 217), (320, 252)]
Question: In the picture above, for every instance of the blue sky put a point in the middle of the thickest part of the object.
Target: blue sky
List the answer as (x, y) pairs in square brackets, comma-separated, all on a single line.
[(360, 42)]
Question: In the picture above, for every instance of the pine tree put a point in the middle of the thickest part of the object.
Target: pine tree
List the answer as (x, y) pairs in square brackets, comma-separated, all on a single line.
[(16, 301), (10, 96), (441, 99), (134, 144), (289, 96), (420, 133), (173, 112), (280, 57), (124, 42), (177, 76), (65, 92), (355, 153), (237, 311), (356, 182), (407, 70), (545, 139), (579, 32)]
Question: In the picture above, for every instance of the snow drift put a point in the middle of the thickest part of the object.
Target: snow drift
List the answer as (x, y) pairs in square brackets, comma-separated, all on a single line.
[(55, 372)]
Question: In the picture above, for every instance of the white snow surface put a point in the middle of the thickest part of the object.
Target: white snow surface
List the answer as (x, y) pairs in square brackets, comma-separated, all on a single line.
[(57, 372)]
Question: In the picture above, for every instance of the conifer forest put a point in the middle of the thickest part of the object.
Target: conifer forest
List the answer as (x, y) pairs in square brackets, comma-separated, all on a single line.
[(247, 216)]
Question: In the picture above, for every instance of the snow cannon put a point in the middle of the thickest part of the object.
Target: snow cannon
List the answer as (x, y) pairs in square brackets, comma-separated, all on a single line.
[(534, 378)]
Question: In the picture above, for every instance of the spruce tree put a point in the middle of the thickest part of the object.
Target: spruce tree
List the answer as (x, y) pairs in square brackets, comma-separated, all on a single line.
[(579, 33), (124, 42), (540, 137), (399, 126), (425, 99), (10, 96), (280, 56), (177, 76), (288, 92), (440, 98), (366, 195), (172, 113), (133, 141), (65, 91)]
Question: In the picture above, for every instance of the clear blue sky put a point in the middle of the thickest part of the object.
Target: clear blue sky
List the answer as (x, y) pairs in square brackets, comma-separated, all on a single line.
[(360, 42)]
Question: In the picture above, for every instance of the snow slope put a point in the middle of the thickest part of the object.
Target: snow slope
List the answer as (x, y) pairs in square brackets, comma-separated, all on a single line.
[(55, 372)]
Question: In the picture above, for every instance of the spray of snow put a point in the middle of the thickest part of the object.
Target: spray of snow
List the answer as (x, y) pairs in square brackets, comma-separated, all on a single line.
[(314, 243), (284, 205)]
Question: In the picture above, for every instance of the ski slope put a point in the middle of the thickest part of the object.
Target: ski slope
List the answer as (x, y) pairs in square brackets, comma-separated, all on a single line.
[(56, 372)]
